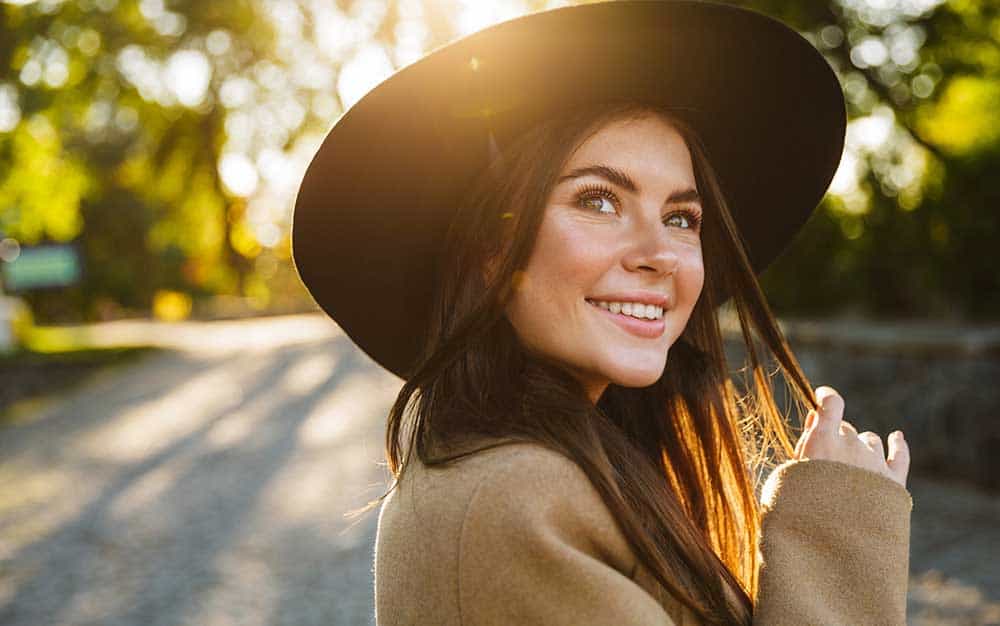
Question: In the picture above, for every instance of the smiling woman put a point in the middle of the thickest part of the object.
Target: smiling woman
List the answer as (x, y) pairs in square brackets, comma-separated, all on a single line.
[(568, 446), (591, 219)]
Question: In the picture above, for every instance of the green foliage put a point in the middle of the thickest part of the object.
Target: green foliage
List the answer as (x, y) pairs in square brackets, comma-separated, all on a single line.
[(43, 189), (98, 152), (962, 122), (921, 247), (103, 157)]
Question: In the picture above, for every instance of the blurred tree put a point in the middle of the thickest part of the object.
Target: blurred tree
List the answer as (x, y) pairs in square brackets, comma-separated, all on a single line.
[(169, 137), (914, 236), (115, 131)]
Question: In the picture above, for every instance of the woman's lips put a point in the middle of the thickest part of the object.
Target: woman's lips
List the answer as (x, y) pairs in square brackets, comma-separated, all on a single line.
[(648, 329)]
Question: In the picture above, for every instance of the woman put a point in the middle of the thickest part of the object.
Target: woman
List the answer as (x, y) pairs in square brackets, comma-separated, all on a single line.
[(568, 446)]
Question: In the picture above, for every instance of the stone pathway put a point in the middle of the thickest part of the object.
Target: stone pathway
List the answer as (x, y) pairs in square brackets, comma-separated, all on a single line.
[(209, 485)]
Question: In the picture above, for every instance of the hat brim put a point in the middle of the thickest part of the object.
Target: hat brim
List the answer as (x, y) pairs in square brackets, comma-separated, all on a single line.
[(377, 198)]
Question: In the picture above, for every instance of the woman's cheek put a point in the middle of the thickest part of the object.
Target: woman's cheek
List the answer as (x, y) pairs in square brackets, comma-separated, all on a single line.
[(695, 276), (583, 254)]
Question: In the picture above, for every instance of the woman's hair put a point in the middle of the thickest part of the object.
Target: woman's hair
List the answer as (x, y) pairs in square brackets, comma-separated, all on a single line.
[(676, 462)]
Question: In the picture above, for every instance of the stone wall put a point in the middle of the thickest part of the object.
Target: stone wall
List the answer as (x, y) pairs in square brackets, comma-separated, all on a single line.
[(940, 384)]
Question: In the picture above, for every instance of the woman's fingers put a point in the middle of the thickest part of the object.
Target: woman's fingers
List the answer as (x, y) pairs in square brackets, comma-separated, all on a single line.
[(899, 457), (827, 435), (831, 410), (873, 441), (806, 429)]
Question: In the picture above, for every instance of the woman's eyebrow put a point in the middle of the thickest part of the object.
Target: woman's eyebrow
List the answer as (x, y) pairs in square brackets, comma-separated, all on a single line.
[(620, 178)]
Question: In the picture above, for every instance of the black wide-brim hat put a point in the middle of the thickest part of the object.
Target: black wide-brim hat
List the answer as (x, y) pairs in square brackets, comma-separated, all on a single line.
[(377, 198)]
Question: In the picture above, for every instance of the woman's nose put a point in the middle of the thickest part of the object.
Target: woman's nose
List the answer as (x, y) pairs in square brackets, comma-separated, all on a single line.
[(653, 250)]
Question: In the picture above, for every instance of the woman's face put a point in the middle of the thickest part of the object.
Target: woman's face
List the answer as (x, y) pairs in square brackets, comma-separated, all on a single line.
[(619, 239)]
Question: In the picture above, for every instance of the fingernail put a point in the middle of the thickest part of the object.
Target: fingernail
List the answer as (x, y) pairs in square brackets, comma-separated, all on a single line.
[(822, 400)]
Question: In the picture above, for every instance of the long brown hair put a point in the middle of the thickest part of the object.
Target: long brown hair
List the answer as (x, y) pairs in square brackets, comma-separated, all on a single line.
[(676, 462)]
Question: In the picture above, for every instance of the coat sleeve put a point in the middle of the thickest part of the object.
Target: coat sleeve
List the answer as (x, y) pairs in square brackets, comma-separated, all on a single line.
[(539, 546), (835, 542)]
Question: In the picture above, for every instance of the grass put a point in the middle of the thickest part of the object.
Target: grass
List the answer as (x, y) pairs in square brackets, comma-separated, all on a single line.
[(58, 340), (53, 361)]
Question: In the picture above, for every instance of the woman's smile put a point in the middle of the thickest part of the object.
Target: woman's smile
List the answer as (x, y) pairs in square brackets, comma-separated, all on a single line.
[(642, 320)]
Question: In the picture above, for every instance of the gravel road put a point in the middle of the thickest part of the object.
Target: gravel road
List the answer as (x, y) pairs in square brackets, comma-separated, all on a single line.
[(208, 486)]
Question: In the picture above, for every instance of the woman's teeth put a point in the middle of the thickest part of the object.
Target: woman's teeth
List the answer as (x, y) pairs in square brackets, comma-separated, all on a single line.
[(633, 309)]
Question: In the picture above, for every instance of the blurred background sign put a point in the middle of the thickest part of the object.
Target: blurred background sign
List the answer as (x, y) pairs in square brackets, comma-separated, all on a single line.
[(41, 267)]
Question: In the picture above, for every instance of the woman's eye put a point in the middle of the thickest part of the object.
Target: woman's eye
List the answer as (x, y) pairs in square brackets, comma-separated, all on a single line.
[(688, 219), (682, 219), (601, 202)]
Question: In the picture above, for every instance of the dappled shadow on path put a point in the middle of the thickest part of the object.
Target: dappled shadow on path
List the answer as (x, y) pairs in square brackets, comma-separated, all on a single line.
[(198, 489)]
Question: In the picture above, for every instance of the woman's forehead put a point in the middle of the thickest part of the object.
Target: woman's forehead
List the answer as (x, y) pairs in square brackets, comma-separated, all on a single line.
[(646, 148)]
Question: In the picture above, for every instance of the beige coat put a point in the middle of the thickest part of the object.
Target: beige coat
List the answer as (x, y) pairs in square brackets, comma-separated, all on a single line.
[(517, 535)]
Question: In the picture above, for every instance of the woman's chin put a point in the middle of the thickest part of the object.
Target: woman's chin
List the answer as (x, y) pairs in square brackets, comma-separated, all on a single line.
[(637, 377)]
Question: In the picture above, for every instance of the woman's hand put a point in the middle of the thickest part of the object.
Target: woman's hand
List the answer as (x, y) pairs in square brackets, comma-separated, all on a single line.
[(828, 436)]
